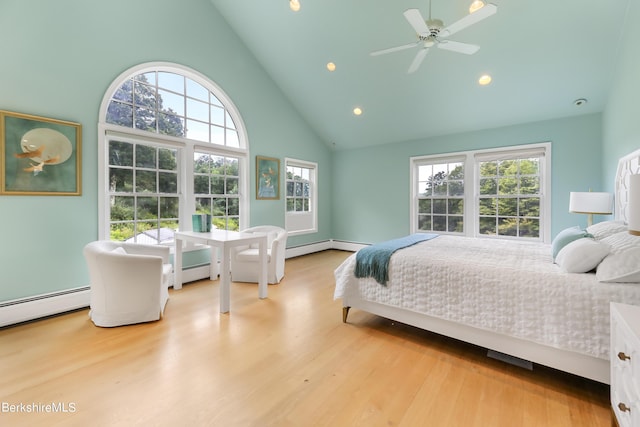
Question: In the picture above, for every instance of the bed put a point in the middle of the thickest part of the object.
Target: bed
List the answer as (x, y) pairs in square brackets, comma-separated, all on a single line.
[(509, 296)]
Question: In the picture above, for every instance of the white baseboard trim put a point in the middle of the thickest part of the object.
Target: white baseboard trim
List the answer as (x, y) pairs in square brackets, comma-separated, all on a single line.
[(347, 246), (308, 249), (31, 308), (18, 311)]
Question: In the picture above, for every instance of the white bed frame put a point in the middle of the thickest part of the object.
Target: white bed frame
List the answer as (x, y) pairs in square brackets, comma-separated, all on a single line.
[(575, 363)]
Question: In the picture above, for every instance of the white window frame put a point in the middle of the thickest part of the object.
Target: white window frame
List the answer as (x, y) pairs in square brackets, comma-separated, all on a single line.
[(185, 149), (472, 185), (435, 160), (297, 223)]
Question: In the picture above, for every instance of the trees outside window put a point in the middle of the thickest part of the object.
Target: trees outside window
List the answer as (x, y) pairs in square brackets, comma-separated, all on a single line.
[(173, 144), (493, 193), (441, 196), (509, 197), (143, 192), (216, 187)]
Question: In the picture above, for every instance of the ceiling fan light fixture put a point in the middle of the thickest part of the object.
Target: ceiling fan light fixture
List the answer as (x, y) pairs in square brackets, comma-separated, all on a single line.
[(294, 5), (430, 32), (475, 5), (484, 80)]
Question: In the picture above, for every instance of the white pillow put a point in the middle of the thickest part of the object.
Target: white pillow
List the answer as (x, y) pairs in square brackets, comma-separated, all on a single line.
[(622, 241), (605, 229), (623, 267), (582, 255), (565, 237)]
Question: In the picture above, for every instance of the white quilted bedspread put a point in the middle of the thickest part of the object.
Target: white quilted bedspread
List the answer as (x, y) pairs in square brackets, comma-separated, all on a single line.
[(503, 286)]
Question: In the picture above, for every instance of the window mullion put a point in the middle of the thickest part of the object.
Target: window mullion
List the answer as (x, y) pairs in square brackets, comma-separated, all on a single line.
[(471, 196), (186, 186)]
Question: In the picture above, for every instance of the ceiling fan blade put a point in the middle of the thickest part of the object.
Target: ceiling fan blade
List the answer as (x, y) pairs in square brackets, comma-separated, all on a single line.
[(470, 19), (415, 19), (418, 60), (394, 49), (466, 48)]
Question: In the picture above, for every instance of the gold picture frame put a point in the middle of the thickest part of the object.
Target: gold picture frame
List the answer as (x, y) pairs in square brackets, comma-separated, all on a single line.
[(39, 156), (267, 178)]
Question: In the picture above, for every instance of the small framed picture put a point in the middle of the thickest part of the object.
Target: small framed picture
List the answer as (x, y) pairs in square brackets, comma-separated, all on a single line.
[(267, 178), (39, 156)]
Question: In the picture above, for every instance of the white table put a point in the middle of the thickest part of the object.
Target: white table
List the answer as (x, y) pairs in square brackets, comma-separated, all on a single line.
[(224, 240)]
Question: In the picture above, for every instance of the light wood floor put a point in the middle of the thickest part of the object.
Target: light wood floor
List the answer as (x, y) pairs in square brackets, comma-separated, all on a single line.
[(284, 361)]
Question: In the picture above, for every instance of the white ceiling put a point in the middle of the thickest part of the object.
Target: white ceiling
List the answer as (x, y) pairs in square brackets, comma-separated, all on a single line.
[(542, 55)]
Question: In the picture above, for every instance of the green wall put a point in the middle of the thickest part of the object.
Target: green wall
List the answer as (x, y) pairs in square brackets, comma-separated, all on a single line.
[(58, 59), (621, 123), (371, 186)]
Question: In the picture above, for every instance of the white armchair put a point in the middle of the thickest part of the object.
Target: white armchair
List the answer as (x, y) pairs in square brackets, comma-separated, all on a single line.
[(129, 282), (245, 261)]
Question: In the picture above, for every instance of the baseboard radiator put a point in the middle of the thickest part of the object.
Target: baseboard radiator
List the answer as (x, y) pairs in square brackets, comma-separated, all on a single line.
[(35, 307), (39, 306)]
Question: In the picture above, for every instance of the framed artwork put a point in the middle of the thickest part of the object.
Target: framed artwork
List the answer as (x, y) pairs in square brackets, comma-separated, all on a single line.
[(267, 178), (39, 156)]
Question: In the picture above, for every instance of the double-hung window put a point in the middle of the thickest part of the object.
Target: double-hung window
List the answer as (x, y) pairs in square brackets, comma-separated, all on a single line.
[(143, 191), (216, 188), (301, 214), (509, 194), (171, 144), (440, 194), (492, 193)]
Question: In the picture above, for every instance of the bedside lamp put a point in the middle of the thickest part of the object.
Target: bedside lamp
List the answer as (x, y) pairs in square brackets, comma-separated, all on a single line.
[(634, 205), (591, 203)]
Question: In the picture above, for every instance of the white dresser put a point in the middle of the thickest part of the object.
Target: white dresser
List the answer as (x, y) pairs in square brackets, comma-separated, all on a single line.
[(625, 364)]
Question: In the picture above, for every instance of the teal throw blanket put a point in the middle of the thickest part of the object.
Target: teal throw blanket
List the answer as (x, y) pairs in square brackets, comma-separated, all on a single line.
[(373, 261)]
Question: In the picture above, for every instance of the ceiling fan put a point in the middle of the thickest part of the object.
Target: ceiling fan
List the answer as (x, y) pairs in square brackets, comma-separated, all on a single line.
[(433, 32)]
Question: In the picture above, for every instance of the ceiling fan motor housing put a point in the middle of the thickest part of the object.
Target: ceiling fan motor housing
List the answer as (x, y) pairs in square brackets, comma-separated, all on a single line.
[(435, 25)]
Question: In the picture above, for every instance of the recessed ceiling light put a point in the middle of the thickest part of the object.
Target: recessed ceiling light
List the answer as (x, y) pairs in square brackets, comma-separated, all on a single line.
[(477, 4), (484, 80), (331, 66), (294, 5), (357, 111), (579, 102)]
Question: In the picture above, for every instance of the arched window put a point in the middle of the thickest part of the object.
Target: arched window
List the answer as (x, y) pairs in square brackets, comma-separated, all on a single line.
[(172, 144)]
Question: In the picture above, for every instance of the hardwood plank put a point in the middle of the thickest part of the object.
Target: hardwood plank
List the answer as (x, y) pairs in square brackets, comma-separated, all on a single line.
[(284, 361)]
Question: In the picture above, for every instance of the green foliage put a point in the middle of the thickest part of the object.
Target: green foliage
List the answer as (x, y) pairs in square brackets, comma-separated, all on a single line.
[(137, 105), (122, 212), (504, 189), (509, 203), (148, 175)]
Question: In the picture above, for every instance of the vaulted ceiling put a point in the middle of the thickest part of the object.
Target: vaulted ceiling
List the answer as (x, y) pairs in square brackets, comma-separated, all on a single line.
[(542, 56)]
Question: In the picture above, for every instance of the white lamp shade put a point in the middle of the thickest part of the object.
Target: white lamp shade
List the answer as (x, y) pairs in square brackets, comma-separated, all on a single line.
[(591, 203), (634, 204)]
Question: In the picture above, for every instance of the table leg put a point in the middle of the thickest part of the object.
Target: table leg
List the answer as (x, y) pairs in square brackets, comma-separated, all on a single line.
[(213, 265), (177, 265), (225, 280), (262, 280)]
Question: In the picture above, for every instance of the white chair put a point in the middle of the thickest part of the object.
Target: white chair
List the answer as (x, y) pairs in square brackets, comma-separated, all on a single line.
[(245, 261), (129, 282)]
